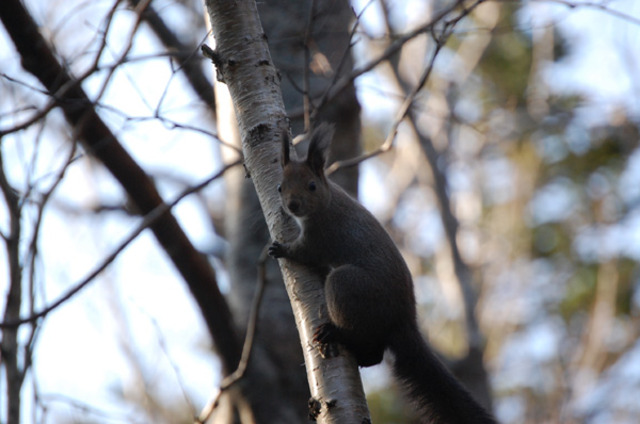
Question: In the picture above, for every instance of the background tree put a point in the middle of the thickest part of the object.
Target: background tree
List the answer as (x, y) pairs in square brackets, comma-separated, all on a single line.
[(512, 180), (326, 31)]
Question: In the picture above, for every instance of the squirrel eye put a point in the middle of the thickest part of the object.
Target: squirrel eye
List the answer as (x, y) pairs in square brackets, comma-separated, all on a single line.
[(279, 188), (312, 186)]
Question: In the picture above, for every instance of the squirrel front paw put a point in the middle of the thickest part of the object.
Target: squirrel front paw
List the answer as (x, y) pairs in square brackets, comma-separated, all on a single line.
[(277, 250), (326, 336), (325, 333)]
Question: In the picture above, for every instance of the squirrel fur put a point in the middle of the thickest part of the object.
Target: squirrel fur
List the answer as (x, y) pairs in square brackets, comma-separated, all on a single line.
[(368, 286)]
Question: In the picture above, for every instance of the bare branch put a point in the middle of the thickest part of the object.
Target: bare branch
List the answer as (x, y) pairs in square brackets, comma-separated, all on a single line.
[(247, 347), (400, 115), (244, 63), (9, 347), (450, 224), (188, 63), (394, 47), (140, 8), (305, 76), (603, 7), (440, 40), (150, 219), (38, 59)]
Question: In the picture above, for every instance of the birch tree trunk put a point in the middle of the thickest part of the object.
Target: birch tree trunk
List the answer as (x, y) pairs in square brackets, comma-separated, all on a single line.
[(243, 62), (329, 38)]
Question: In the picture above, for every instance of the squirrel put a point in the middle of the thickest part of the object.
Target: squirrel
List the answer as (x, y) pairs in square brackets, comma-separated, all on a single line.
[(368, 287)]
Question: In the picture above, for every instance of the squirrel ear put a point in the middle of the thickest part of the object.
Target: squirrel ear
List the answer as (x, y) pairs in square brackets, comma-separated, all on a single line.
[(284, 160), (319, 146)]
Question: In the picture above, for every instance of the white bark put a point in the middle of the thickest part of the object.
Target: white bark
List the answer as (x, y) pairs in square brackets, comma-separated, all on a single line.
[(244, 63)]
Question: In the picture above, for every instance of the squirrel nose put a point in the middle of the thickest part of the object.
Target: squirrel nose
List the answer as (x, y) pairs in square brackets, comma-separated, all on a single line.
[(293, 206)]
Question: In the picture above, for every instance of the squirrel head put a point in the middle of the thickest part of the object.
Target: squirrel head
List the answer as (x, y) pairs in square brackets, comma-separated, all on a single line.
[(304, 189)]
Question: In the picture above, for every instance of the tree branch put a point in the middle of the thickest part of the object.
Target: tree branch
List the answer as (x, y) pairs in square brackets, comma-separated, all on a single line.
[(149, 220), (187, 57), (9, 346), (38, 59), (394, 47), (451, 225), (247, 347), (244, 63)]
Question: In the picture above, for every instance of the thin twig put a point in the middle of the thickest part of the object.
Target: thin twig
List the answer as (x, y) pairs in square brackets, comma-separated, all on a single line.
[(54, 101), (171, 124), (591, 5), (247, 347), (162, 342), (140, 8), (296, 113), (402, 113), (33, 255), (343, 60), (393, 48), (148, 220), (188, 63), (306, 86), (440, 41)]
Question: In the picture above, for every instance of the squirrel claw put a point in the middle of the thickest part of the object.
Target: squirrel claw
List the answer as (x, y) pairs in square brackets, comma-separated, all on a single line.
[(324, 336), (324, 333), (276, 250)]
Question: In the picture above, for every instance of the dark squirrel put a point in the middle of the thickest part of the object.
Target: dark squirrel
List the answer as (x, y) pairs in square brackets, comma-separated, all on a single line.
[(368, 286)]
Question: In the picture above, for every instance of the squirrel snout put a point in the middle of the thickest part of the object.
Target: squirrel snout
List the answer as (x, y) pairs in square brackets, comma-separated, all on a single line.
[(293, 206)]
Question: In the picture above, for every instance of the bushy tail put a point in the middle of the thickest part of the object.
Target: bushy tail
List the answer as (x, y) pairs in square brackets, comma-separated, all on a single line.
[(439, 397)]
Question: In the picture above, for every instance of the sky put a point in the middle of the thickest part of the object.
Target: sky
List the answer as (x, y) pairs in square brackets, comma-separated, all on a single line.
[(85, 345)]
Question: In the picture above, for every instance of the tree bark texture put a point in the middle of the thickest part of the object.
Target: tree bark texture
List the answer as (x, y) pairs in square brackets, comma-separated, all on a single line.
[(244, 63), (327, 38), (276, 348)]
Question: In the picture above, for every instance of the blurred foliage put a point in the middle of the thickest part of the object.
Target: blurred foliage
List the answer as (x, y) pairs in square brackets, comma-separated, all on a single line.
[(505, 67), (541, 180), (557, 281), (385, 406)]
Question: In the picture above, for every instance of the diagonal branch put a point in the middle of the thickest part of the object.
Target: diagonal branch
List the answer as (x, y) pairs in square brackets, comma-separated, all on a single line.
[(403, 111), (244, 63), (186, 56), (439, 18), (149, 220), (451, 225), (98, 139)]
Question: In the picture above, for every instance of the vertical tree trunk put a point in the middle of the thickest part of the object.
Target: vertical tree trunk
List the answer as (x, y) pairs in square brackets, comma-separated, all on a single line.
[(244, 63), (329, 38)]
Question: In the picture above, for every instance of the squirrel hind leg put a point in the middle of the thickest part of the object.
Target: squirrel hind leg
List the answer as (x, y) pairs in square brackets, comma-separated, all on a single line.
[(357, 304), (371, 355), (328, 335), (352, 302)]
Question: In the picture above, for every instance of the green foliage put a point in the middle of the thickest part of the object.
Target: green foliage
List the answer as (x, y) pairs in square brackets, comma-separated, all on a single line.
[(629, 273), (549, 240), (580, 291), (385, 406), (506, 64)]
